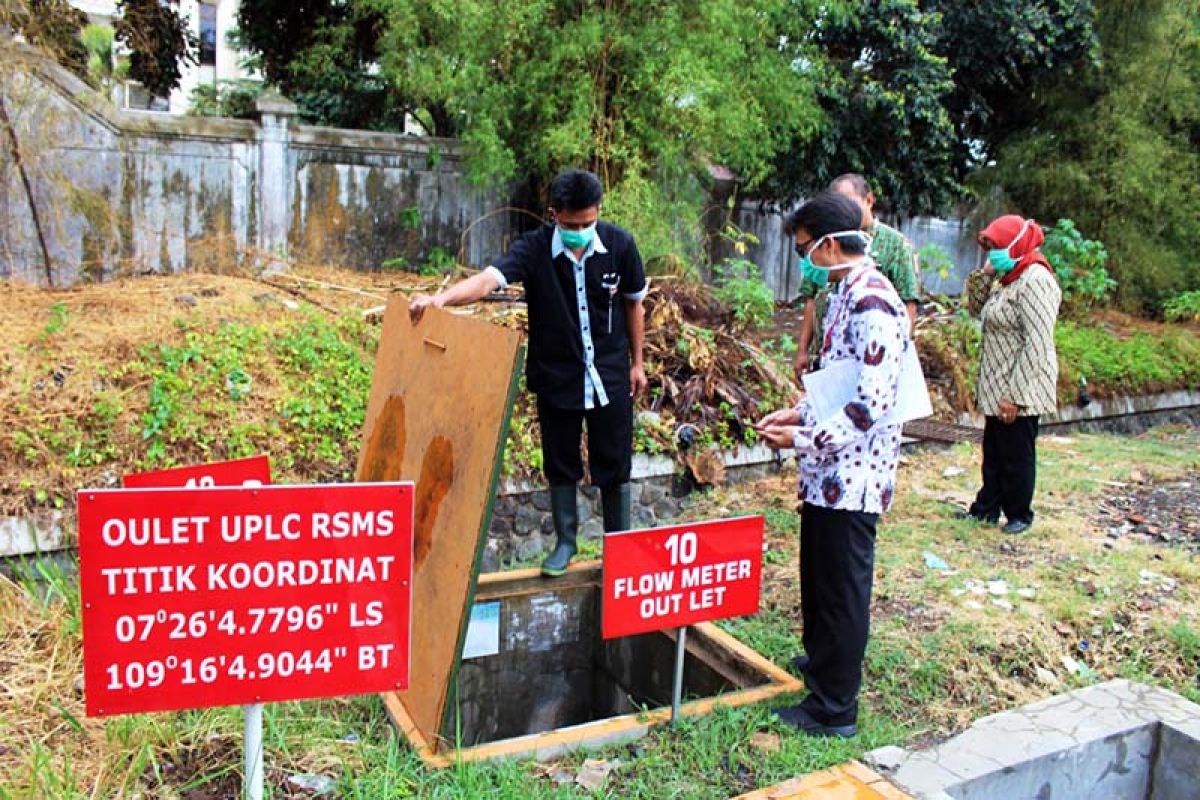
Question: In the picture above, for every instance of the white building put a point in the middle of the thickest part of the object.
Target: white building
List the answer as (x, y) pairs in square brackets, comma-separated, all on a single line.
[(210, 22)]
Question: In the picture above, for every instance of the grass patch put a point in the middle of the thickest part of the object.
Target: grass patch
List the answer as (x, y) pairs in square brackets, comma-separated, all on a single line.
[(940, 656)]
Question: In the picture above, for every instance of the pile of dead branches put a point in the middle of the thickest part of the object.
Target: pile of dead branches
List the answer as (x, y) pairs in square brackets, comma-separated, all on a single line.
[(708, 382)]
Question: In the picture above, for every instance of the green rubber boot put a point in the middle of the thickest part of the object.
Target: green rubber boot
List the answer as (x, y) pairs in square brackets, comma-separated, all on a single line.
[(566, 526), (615, 501)]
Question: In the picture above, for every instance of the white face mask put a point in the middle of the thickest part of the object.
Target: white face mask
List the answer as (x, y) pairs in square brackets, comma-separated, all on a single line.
[(862, 235)]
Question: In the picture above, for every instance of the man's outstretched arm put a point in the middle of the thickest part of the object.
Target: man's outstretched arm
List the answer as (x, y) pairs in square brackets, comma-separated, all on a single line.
[(460, 294)]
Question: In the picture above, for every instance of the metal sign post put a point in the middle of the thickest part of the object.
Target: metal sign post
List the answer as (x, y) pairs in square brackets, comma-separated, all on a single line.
[(679, 575), (252, 776), (677, 689), (214, 595)]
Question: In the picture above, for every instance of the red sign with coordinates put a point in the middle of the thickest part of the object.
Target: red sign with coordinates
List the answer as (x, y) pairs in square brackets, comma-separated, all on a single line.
[(255, 470), (681, 574), (197, 597)]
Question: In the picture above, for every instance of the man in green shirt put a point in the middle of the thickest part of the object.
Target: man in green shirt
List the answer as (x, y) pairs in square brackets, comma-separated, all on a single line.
[(892, 252)]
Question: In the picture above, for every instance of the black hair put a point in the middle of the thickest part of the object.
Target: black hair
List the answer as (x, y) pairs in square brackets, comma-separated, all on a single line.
[(575, 190), (829, 212), (857, 182)]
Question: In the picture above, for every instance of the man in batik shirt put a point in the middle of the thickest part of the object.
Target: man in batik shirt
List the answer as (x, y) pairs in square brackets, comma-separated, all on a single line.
[(847, 461), (893, 254)]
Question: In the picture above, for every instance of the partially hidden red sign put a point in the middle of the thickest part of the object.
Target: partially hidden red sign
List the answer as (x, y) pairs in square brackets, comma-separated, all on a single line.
[(680, 575), (255, 470), (232, 595)]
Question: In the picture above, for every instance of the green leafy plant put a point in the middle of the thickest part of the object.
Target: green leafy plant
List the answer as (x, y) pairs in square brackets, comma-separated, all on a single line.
[(1137, 364), (58, 319), (439, 261), (935, 258), (1078, 263), (1183, 307), (226, 98), (741, 288), (410, 218)]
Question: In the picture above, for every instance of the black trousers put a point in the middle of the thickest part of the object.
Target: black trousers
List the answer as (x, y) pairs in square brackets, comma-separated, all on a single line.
[(610, 441), (837, 566), (1009, 470)]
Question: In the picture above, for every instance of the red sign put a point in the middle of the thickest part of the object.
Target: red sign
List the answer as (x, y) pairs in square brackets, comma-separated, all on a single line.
[(224, 596), (682, 574), (253, 471)]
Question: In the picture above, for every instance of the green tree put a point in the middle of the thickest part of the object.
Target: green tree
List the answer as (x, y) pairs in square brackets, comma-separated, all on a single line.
[(918, 93), (102, 63), (619, 84), (158, 42), (323, 55), (1116, 149), (884, 92), (1003, 55), (52, 25)]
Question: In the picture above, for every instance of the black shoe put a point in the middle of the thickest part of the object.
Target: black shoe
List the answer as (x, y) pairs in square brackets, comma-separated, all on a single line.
[(1016, 526), (800, 664), (798, 719)]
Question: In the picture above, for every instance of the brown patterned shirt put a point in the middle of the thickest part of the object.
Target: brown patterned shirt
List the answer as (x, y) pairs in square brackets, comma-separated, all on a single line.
[(1017, 359)]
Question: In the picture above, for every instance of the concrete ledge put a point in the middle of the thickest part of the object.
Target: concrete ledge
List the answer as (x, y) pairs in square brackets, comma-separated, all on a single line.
[(38, 533), (1111, 407), (1115, 740), (660, 466)]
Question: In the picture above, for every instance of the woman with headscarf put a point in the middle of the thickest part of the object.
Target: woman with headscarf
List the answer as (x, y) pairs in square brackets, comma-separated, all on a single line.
[(1018, 365)]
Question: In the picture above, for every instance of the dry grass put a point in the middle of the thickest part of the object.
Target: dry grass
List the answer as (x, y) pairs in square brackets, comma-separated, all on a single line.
[(71, 363), (941, 656)]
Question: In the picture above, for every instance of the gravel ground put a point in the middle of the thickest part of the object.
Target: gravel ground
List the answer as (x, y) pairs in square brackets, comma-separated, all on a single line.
[(1165, 511)]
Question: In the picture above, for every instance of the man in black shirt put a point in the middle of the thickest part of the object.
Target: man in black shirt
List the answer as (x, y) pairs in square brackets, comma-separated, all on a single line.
[(584, 284)]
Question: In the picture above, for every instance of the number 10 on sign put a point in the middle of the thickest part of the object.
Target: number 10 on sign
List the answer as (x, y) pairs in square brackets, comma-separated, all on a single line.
[(680, 575)]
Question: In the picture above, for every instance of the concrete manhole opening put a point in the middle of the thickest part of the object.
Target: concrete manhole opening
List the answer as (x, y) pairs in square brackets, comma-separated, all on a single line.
[(536, 678), (1151, 762), (1112, 741)]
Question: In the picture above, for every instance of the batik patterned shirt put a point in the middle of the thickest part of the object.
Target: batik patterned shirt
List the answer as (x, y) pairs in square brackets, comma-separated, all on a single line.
[(896, 259), (1018, 361), (848, 461)]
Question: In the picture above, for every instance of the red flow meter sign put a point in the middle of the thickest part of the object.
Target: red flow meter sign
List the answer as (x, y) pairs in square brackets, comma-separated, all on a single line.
[(237, 595), (252, 471), (680, 575)]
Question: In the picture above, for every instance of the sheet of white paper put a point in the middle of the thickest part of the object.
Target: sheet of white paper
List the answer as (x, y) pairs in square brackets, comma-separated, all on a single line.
[(912, 397), (831, 388), (483, 631)]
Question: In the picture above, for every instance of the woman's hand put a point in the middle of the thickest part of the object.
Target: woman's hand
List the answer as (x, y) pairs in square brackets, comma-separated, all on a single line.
[(1008, 412)]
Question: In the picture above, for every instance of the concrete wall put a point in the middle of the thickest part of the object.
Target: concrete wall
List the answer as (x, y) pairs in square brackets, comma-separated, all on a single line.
[(135, 192)]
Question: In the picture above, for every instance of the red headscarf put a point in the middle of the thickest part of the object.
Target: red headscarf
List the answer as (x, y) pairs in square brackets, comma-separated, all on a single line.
[(1003, 230)]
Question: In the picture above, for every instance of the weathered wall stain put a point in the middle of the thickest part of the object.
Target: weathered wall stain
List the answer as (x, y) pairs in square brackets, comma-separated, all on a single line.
[(385, 451), (194, 192), (437, 474)]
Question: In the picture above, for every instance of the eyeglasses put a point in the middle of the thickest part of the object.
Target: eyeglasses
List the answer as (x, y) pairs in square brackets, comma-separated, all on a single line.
[(802, 247)]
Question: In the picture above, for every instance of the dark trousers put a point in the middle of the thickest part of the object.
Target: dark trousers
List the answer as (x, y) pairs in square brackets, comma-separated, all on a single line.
[(837, 565), (1009, 470), (610, 441)]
